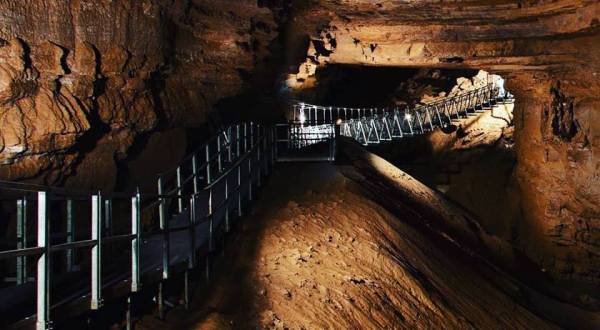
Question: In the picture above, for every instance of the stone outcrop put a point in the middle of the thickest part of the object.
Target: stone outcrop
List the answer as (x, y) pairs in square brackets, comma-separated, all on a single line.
[(81, 82)]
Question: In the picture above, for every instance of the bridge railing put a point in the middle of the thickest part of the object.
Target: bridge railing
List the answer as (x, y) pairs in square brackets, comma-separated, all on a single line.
[(445, 110), (64, 237), (299, 142)]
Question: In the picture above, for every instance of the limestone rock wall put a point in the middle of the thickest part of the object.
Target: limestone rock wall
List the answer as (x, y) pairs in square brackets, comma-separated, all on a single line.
[(83, 81)]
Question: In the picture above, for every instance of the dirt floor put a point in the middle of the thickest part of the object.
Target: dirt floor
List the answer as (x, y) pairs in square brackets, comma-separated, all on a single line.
[(318, 252)]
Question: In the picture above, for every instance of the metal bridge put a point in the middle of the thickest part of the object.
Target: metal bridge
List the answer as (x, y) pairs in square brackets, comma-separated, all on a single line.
[(375, 125)]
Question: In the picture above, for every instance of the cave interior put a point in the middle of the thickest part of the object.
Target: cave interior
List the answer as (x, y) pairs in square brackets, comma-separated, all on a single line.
[(125, 119)]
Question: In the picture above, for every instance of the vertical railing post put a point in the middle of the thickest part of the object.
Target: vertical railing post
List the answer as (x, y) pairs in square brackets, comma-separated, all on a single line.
[(108, 221), (179, 191), (229, 141), (164, 226), (43, 264), (210, 233), (245, 137), (250, 164), (96, 300), (227, 225), (135, 242), (251, 134), (128, 316), (70, 235), (239, 189), (207, 152), (191, 253), (239, 171), (210, 219), (258, 161), (219, 156), (192, 232), (108, 217), (195, 172), (21, 239)]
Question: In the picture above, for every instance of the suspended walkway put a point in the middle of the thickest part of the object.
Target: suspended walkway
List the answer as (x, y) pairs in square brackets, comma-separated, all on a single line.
[(371, 126)]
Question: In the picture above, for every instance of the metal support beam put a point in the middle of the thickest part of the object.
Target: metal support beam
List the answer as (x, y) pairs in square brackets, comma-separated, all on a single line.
[(21, 239), (135, 242), (70, 255), (43, 264), (96, 300)]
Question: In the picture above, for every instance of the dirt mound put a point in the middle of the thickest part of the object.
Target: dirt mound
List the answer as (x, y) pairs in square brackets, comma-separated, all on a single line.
[(319, 253)]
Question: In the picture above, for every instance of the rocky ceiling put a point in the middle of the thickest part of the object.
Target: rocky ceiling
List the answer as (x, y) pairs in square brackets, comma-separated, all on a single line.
[(83, 83)]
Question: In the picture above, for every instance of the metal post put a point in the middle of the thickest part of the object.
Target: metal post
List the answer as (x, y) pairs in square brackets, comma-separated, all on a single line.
[(237, 141), (192, 232), (219, 162), (96, 300), (195, 172), (179, 191), (191, 253), (210, 233), (128, 315), (245, 137), (70, 235), (135, 242), (251, 134), (160, 299), (239, 189), (186, 289), (207, 164), (43, 264), (250, 176), (258, 145), (227, 203), (108, 221), (229, 140), (210, 219), (164, 226), (21, 239), (108, 217)]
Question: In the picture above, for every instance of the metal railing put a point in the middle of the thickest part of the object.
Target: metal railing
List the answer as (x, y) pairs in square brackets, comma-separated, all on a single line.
[(194, 203), (311, 114), (298, 142), (374, 125)]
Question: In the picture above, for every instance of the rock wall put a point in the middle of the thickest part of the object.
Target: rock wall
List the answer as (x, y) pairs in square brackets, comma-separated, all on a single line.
[(83, 81), (548, 51)]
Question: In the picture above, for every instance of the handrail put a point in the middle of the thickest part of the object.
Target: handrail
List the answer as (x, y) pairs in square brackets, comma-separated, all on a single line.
[(301, 109), (387, 126), (178, 205)]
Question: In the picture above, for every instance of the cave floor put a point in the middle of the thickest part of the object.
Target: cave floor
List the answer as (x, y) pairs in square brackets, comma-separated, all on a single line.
[(317, 251)]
